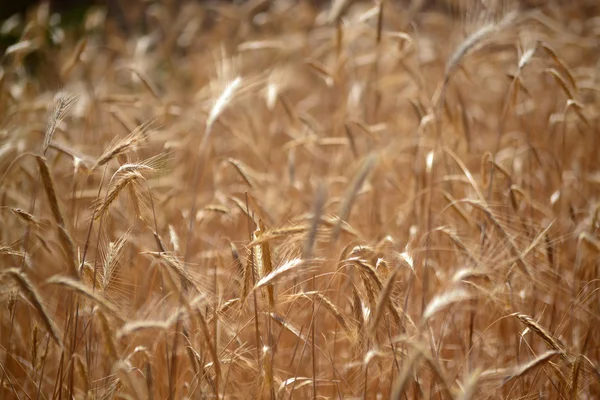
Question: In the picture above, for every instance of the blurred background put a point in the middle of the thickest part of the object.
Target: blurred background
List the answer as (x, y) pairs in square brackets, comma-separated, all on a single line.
[(11, 7), (130, 18)]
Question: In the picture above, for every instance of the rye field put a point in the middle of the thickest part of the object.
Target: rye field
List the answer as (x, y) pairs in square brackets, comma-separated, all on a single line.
[(279, 199)]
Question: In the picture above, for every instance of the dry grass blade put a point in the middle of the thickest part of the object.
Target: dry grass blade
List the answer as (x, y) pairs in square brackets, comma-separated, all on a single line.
[(443, 300), (279, 272), (371, 280), (176, 266), (67, 243), (235, 254), (221, 103), (336, 313), (487, 158), (338, 9), (508, 374), (228, 305), (314, 226), (34, 298), (82, 372), (459, 210), (470, 386), (243, 208), (9, 251), (124, 145), (132, 327), (544, 334), (84, 290), (558, 78), (267, 365), (322, 72), (350, 195), (49, 186), (23, 46), (111, 262), (109, 339), (536, 362), (75, 57), (384, 300), (216, 208), (404, 375), (27, 217), (439, 374), (147, 83), (243, 170), (63, 235), (344, 226), (114, 190), (359, 316), (521, 262), (475, 39), (552, 53), (174, 239), (248, 274), (271, 234), (62, 103), (368, 270), (289, 326), (267, 266), (590, 241), (577, 366), (207, 334), (124, 371)]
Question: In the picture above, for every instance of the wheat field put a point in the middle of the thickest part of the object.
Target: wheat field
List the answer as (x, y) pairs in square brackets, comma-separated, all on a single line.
[(284, 199)]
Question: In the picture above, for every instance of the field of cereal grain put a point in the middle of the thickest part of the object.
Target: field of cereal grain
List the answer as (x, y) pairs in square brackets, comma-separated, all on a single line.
[(292, 199)]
